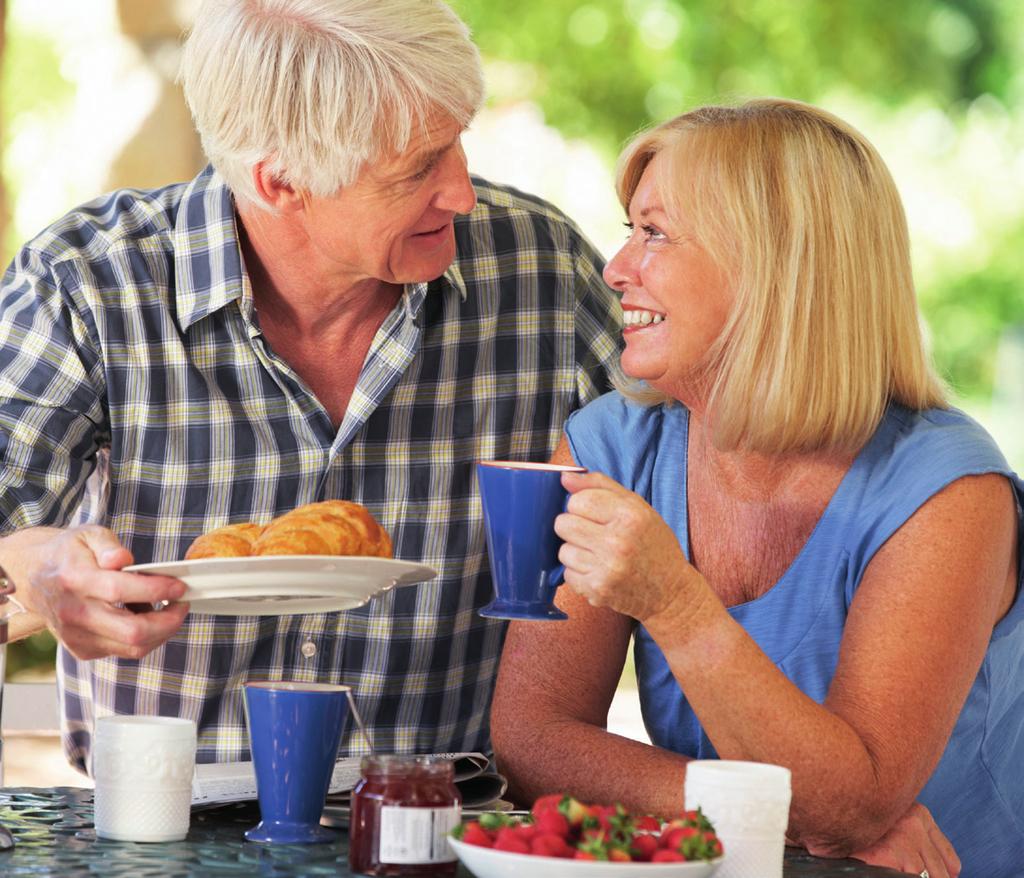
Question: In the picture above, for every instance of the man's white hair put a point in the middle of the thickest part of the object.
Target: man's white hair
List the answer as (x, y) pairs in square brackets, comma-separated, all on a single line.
[(318, 88)]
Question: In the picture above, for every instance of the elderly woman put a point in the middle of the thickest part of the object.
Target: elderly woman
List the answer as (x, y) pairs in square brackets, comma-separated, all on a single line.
[(817, 557)]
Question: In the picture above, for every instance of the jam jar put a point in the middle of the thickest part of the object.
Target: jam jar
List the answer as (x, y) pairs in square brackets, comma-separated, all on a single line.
[(402, 811)]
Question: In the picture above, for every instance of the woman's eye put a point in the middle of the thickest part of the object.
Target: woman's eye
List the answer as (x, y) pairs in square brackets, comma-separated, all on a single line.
[(650, 233)]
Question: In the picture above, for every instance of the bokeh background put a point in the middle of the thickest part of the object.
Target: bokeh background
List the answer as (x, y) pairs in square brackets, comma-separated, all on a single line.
[(88, 103)]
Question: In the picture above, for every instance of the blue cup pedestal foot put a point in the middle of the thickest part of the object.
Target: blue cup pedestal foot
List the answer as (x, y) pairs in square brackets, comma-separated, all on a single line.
[(539, 611), (273, 832)]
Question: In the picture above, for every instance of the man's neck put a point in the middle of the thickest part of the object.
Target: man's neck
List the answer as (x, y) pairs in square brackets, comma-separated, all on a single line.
[(292, 287)]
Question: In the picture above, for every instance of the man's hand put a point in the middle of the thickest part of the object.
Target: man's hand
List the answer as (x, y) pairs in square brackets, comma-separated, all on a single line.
[(914, 844), (72, 579)]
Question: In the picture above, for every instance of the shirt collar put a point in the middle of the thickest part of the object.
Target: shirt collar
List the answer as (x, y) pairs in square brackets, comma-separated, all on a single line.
[(414, 294), (208, 271)]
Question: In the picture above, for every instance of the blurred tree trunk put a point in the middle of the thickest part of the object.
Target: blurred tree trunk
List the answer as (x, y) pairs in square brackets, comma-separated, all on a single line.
[(166, 148)]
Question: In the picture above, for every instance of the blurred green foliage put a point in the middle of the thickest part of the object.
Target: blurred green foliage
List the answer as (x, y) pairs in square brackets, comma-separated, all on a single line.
[(30, 656), (603, 69), (31, 84)]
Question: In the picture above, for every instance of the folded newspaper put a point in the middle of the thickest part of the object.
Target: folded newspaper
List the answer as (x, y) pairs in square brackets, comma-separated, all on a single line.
[(216, 782)]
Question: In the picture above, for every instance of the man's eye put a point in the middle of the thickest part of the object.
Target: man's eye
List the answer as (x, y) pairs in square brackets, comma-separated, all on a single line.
[(424, 173)]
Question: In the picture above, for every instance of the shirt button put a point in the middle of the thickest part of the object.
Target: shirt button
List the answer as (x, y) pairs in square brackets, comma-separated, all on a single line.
[(309, 649)]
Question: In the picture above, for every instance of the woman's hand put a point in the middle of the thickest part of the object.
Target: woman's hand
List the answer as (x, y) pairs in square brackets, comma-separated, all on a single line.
[(914, 844), (619, 553)]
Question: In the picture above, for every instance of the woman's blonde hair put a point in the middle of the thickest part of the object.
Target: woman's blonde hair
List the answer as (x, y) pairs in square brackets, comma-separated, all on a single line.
[(319, 88), (802, 214)]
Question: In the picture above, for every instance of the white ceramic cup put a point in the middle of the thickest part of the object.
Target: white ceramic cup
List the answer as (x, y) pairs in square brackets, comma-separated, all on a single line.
[(143, 768), (748, 803)]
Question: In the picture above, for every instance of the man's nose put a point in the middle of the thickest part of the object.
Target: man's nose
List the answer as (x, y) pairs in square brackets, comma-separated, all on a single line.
[(456, 192)]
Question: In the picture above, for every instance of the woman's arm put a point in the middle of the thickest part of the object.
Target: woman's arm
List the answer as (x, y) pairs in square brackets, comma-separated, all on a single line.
[(550, 711), (914, 641)]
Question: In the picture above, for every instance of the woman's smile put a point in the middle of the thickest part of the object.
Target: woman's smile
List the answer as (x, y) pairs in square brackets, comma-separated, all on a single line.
[(635, 319)]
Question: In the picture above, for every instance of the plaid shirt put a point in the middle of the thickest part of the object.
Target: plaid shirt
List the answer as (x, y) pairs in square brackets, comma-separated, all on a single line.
[(137, 391)]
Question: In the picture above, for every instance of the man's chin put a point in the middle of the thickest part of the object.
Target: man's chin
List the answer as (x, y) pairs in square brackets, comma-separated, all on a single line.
[(426, 268)]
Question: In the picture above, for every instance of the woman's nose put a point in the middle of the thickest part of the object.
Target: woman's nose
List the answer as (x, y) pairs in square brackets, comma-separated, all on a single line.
[(621, 268)]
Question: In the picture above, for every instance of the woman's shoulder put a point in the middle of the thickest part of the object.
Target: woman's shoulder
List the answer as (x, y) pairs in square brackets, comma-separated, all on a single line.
[(912, 457), (939, 443), (616, 415), (612, 433)]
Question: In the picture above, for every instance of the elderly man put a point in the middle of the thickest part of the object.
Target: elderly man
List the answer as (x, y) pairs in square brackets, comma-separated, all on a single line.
[(333, 309)]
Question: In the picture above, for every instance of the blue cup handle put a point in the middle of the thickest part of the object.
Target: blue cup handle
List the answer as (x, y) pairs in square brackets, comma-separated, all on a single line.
[(557, 576)]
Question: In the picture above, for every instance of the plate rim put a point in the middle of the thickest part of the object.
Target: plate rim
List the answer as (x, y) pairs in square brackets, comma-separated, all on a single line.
[(152, 566), (347, 579), (649, 868)]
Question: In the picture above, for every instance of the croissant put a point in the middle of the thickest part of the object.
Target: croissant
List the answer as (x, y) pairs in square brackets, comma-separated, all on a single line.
[(230, 541), (331, 527)]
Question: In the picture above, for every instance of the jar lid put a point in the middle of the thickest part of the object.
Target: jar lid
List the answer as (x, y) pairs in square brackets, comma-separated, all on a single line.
[(404, 764)]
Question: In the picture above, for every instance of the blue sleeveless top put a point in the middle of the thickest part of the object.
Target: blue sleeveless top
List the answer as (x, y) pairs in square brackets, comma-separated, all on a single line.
[(976, 793)]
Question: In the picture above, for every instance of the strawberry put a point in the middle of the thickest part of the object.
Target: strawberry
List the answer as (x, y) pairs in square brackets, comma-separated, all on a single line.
[(672, 838), (713, 843), (574, 810), (511, 843), (583, 855), (696, 818), (665, 856), (547, 803), (546, 844), (523, 832), (474, 833), (606, 849), (643, 847), (604, 814), (647, 824), (553, 822)]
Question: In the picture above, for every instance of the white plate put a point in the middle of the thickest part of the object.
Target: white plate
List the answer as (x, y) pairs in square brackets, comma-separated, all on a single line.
[(280, 585), (488, 863)]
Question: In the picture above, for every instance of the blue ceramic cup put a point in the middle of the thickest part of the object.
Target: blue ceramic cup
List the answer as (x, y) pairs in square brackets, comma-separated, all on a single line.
[(294, 732), (520, 503)]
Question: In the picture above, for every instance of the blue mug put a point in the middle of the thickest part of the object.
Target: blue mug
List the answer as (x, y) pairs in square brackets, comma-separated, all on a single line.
[(520, 504), (294, 732)]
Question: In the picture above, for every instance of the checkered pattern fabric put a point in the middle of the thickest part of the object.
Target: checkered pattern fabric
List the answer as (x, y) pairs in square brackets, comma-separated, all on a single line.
[(137, 391)]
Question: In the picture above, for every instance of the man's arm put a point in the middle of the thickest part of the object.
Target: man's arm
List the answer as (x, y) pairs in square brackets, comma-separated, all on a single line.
[(52, 422)]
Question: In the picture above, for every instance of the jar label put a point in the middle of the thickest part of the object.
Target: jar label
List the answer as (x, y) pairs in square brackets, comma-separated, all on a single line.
[(417, 835)]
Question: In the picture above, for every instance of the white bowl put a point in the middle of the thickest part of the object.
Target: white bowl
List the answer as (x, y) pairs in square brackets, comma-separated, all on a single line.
[(489, 863)]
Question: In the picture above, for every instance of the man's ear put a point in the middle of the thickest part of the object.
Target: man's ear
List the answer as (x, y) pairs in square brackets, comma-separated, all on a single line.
[(282, 197)]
